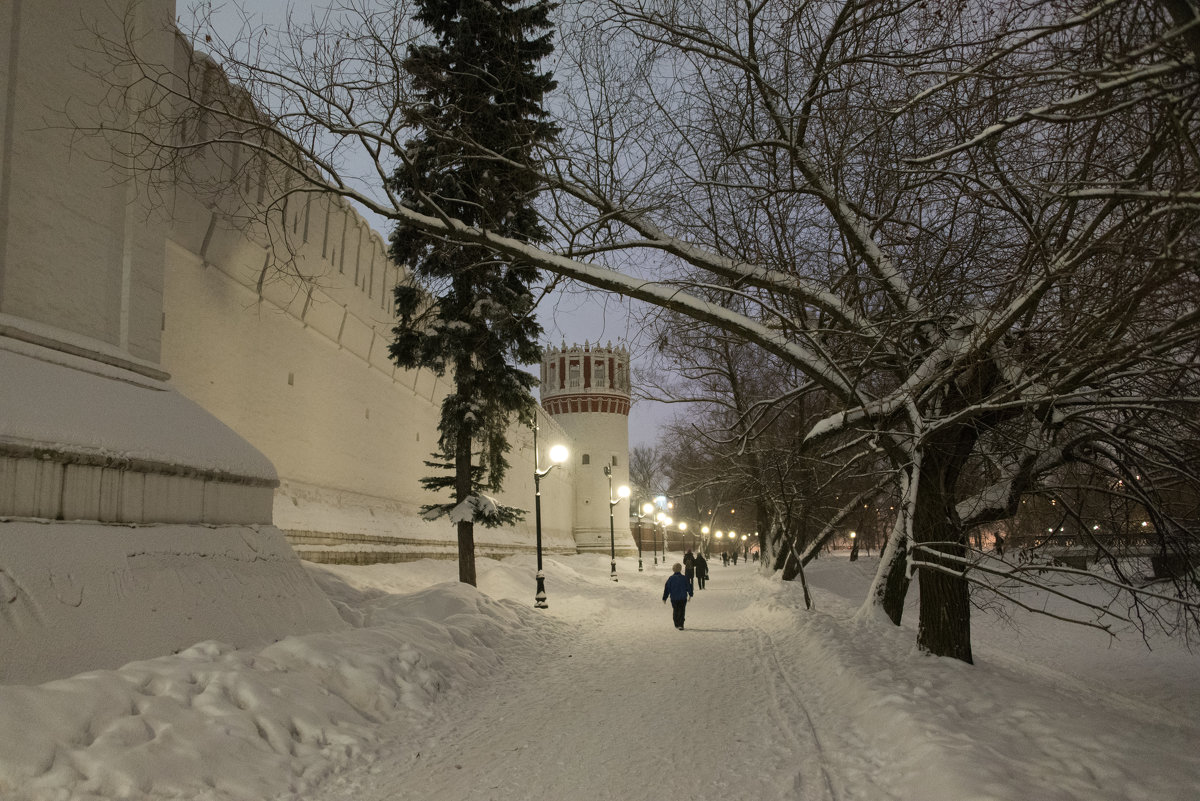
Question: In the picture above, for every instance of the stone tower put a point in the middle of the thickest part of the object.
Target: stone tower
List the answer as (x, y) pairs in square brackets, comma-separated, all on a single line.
[(586, 390)]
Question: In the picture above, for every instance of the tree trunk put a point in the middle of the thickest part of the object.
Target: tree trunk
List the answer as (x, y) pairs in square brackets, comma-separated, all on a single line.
[(895, 586), (463, 491), (944, 628), (890, 586)]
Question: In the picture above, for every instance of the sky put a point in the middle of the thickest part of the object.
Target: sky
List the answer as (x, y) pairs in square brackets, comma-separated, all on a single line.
[(433, 689), (574, 314)]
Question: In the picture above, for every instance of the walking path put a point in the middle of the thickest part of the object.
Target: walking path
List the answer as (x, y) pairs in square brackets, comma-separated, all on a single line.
[(619, 705), (441, 692)]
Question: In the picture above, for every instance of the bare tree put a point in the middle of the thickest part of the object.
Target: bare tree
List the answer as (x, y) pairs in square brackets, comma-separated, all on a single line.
[(967, 228), (645, 473)]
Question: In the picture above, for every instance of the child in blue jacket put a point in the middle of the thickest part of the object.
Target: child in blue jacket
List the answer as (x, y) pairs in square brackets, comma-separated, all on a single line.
[(678, 589)]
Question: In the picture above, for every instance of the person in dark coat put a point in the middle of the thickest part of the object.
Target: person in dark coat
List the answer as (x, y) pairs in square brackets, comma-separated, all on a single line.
[(701, 570), (678, 589), (725, 557), (689, 566)]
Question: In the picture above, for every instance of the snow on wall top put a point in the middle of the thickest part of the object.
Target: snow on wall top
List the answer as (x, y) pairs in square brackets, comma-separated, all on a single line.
[(61, 403)]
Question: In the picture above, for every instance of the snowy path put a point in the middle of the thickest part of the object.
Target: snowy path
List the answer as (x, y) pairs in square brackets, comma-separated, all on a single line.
[(441, 692), (617, 699)]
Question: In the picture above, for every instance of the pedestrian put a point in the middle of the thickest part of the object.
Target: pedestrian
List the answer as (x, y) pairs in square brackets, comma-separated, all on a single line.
[(701, 570), (725, 557), (678, 589), (735, 558), (689, 566)]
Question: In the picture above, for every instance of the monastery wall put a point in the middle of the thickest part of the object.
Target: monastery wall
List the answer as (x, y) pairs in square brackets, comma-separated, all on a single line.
[(300, 369), (133, 523), (182, 376), (277, 319)]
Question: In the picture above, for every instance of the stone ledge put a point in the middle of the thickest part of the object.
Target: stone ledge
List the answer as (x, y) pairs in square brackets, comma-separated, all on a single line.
[(51, 489)]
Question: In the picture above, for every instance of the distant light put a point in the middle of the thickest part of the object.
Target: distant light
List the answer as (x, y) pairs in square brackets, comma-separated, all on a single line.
[(647, 508), (852, 535), (1095, 528), (558, 454), (623, 491), (1145, 523), (683, 525), (720, 534), (704, 529)]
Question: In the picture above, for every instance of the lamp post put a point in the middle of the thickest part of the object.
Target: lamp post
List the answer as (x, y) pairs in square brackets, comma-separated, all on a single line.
[(622, 492), (704, 539), (682, 534), (644, 509), (558, 454)]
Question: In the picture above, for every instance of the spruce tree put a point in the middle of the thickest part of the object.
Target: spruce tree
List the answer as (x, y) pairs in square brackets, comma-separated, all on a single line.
[(480, 123)]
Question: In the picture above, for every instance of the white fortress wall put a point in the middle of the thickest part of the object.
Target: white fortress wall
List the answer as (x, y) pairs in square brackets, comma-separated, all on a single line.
[(284, 337), (132, 522)]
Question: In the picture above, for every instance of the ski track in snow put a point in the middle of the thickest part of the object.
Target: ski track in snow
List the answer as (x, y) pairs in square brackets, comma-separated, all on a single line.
[(614, 699)]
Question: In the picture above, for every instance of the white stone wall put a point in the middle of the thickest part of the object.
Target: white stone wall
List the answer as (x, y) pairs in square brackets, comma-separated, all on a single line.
[(303, 376), (284, 338), (132, 522), (80, 249)]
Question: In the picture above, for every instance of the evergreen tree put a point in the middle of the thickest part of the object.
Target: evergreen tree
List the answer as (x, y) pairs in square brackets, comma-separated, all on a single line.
[(470, 311)]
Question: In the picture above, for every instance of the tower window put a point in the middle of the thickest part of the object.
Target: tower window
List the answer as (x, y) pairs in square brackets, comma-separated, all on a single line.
[(573, 377), (587, 458), (598, 373), (614, 461)]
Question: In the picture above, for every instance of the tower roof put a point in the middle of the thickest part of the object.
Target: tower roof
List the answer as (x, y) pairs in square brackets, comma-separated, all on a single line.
[(585, 379)]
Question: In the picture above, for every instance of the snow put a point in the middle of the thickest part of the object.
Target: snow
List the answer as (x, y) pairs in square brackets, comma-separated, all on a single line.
[(441, 691), (56, 401)]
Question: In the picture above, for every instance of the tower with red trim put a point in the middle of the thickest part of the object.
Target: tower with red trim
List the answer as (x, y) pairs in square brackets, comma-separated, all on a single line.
[(586, 390)]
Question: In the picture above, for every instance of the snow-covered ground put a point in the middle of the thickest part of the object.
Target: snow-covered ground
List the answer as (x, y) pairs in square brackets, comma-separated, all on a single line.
[(443, 692)]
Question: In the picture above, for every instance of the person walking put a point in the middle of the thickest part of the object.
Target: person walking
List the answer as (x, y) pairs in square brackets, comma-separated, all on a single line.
[(735, 557), (689, 566), (701, 570), (725, 557), (678, 589)]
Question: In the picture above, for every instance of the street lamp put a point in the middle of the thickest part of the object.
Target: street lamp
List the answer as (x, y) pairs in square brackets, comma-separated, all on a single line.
[(682, 530), (704, 539), (558, 455), (644, 509), (622, 492)]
